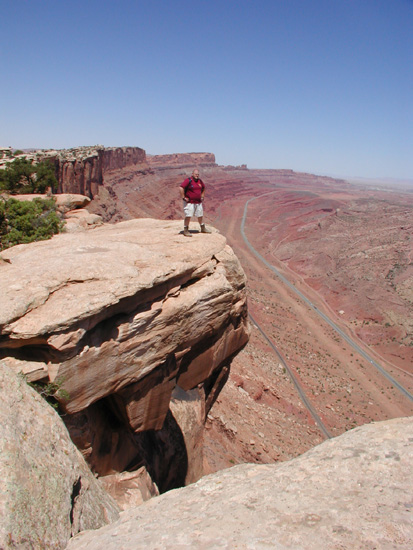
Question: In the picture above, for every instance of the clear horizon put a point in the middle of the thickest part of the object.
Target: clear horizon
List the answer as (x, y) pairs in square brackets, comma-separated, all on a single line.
[(323, 87)]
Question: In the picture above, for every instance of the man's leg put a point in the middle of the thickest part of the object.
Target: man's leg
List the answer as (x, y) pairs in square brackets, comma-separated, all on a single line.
[(188, 213), (186, 226), (203, 228)]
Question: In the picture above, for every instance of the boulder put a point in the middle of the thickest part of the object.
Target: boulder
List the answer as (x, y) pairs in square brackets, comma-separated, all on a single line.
[(130, 489), (47, 492), (78, 220), (69, 201), (354, 491)]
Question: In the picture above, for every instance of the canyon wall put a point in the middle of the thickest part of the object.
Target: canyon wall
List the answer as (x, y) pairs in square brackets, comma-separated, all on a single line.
[(82, 170)]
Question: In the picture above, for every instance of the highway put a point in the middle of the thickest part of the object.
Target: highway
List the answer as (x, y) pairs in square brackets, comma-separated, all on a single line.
[(335, 327)]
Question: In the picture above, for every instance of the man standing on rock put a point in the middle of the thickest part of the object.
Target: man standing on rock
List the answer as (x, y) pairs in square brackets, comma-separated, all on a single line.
[(192, 192)]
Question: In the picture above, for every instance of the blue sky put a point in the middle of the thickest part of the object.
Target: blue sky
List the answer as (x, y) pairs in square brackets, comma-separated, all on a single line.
[(323, 86)]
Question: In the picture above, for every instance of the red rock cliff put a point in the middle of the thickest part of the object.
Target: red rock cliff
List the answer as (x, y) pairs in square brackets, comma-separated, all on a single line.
[(81, 170)]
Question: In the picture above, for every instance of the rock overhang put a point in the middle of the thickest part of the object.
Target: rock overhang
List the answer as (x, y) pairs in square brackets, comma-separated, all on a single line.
[(108, 264), (115, 309)]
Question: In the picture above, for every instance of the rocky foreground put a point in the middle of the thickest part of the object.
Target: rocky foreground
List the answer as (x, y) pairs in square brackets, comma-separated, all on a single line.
[(352, 492)]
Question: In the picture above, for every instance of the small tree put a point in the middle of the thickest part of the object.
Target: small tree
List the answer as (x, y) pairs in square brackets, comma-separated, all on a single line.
[(45, 177), (3, 221), (21, 176)]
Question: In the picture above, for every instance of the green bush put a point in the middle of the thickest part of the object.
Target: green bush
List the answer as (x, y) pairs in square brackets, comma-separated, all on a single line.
[(21, 176), (52, 392), (27, 221)]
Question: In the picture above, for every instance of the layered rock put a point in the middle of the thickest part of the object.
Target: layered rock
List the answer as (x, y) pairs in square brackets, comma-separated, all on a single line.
[(82, 170), (354, 491), (47, 492), (119, 317)]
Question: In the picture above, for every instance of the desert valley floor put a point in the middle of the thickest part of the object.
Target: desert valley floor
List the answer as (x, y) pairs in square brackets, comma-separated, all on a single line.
[(347, 249)]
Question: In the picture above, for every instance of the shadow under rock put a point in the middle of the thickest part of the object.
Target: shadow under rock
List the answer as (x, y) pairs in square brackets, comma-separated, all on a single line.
[(164, 454)]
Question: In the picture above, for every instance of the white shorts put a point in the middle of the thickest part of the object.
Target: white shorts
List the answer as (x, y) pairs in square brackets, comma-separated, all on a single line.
[(191, 209)]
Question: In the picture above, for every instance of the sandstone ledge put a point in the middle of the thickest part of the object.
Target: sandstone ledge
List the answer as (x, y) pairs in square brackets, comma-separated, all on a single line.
[(57, 292), (352, 492), (120, 315)]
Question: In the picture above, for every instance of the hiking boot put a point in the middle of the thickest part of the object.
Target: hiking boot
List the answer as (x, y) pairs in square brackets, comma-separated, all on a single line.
[(204, 229), (186, 232)]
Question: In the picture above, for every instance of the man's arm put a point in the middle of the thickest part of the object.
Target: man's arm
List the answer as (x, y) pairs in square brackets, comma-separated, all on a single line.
[(182, 192)]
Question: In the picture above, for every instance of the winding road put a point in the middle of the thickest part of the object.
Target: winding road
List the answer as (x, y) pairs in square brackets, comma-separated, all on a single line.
[(333, 325)]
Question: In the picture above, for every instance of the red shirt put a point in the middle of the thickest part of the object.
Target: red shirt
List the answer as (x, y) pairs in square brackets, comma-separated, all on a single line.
[(193, 189)]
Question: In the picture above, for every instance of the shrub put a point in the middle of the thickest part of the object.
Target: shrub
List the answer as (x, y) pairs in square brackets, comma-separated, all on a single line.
[(27, 221), (52, 392)]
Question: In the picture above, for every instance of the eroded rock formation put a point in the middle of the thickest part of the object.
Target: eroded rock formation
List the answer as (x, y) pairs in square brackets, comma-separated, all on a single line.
[(353, 491), (126, 318), (70, 208), (82, 170)]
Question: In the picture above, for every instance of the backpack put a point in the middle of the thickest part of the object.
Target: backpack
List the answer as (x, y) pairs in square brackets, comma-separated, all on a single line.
[(190, 186)]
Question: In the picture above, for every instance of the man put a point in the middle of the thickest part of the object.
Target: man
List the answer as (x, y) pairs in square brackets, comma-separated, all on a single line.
[(192, 192)]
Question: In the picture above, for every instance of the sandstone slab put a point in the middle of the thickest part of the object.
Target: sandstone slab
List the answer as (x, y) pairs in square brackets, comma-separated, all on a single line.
[(354, 491), (119, 315), (80, 219)]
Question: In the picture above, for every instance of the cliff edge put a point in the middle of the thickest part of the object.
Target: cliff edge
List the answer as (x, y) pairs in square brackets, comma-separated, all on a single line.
[(139, 327)]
